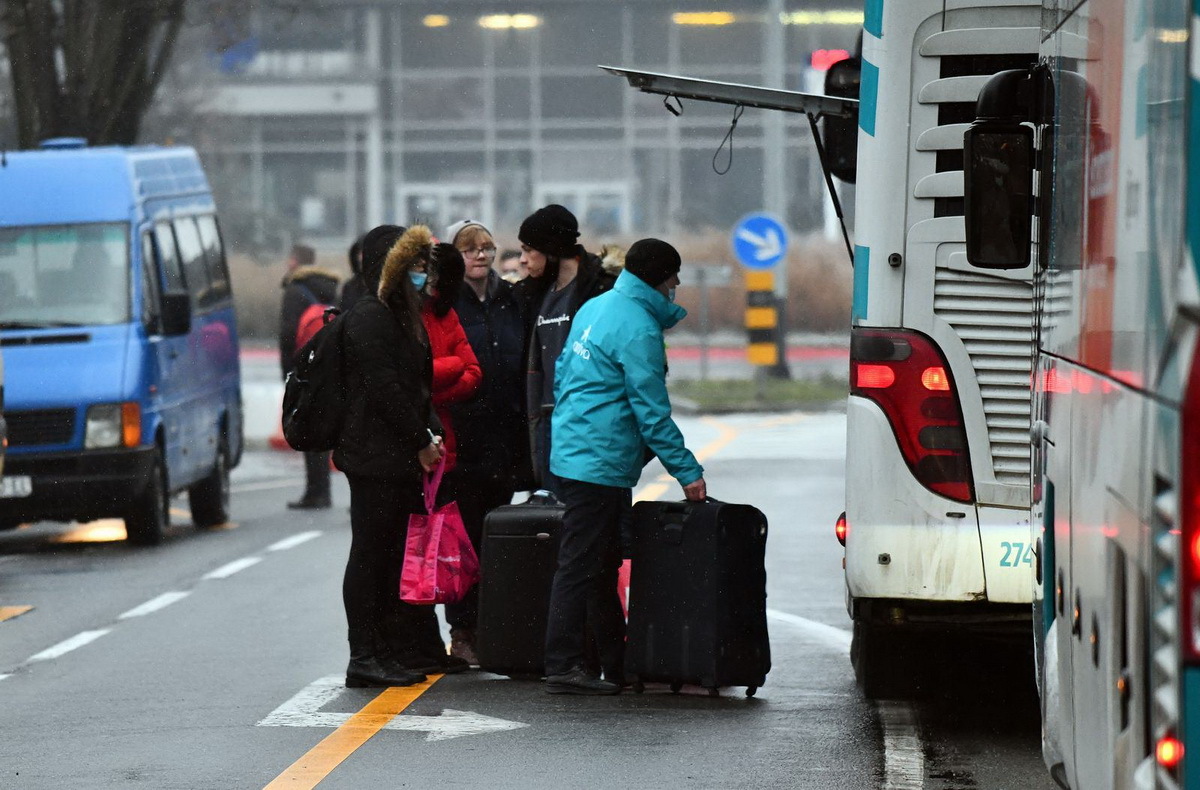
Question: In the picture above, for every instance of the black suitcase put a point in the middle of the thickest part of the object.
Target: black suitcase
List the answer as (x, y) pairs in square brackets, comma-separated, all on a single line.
[(698, 596), (519, 554)]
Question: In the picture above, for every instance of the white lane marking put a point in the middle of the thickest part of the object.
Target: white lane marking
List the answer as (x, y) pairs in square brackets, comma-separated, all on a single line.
[(2, 677), (903, 757), (66, 646), (154, 604), (306, 704), (225, 571), (294, 540), (831, 637), (304, 710)]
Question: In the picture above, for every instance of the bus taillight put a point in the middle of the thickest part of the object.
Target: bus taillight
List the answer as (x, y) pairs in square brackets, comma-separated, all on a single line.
[(905, 373)]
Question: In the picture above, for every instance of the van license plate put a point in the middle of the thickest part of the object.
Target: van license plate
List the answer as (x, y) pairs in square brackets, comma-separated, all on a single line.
[(15, 486)]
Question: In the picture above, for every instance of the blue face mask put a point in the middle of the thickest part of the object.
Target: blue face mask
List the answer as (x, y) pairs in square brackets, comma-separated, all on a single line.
[(418, 279)]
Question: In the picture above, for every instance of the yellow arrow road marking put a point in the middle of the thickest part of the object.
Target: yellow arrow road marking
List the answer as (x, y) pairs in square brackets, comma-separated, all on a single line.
[(320, 760), (9, 612)]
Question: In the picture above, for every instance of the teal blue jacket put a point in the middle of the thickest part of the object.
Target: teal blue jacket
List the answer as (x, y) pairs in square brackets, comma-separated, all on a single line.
[(610, 391)]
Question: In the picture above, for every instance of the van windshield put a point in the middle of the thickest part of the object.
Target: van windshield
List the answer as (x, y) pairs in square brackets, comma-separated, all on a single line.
[(64, 275)]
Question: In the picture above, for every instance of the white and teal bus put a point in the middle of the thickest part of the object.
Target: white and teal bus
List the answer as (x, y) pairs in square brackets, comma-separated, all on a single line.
[(936, 528), (1083, 170)]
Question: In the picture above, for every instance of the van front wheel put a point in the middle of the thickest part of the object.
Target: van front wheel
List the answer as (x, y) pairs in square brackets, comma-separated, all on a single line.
[(209, 499), (146, 521)]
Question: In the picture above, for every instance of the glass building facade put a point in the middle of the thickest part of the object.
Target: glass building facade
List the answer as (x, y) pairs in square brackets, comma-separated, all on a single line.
[(329, 118)]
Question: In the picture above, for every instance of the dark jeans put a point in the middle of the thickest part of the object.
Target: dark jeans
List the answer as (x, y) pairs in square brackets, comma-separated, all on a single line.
[(478, 492), (379, 511), (316, 475), (585, 585), (550, 481)]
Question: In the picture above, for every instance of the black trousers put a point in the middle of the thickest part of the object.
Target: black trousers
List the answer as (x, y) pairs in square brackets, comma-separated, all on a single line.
[(585, 584), (379, 511), (477, 492), (316, 475)]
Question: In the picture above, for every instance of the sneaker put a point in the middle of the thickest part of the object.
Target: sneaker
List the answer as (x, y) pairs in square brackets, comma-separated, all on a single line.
[(579, 682), (462, 645)]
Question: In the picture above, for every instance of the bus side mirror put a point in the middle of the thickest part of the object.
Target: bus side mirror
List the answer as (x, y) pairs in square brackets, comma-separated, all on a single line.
[(839, 136), (998, 191), (176, 316)]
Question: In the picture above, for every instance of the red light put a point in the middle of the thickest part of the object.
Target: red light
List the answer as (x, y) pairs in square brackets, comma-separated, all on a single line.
[(935, 379), (875, 377), (915, 390), (1168, 751), (822, 59), (1188, 594), (841, 529)]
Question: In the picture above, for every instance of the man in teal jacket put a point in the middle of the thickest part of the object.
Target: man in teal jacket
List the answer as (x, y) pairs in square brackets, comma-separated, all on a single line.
[(611, 405)]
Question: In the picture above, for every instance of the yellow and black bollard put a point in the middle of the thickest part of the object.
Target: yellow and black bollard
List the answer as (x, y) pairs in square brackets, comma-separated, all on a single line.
[(762, 319)]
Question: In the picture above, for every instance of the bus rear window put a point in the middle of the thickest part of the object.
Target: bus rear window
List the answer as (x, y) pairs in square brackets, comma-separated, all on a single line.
[(56, 275)]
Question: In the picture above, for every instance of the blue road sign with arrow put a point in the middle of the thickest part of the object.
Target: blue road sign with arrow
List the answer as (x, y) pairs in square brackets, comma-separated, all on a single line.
[(759, 241)]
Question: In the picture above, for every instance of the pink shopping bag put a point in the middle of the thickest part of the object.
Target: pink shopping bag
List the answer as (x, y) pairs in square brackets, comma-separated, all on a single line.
[(440, 565)]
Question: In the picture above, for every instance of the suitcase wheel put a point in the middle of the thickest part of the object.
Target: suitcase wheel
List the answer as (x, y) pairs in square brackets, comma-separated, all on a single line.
[(751, 690), (639, 687), (676, 686), (713, 691)]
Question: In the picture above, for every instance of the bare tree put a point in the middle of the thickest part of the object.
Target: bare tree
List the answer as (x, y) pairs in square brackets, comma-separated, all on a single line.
[(86, 68)]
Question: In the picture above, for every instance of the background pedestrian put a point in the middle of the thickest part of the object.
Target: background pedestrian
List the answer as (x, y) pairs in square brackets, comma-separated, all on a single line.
[(303, 285)]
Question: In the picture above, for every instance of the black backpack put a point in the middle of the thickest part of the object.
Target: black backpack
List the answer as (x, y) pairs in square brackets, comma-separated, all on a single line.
[(314, 395)]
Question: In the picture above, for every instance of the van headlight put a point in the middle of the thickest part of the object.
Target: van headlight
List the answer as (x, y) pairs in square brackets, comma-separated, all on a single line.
[(113, 425)]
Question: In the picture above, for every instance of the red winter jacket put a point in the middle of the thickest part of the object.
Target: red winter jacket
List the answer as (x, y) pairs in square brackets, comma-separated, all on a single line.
[(456, 371)]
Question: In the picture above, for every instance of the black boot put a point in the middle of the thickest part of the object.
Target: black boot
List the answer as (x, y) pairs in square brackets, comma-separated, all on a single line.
[(367, 669)]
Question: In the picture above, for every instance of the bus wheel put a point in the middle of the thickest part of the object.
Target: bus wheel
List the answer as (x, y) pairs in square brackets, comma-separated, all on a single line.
[(148, 518), (877, 657), (209, 499)]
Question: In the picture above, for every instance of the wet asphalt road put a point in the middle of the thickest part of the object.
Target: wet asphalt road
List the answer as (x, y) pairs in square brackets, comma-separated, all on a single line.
[(205, 663)]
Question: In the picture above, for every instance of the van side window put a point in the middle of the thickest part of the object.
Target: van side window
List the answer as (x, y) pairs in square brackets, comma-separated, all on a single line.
[(150, 286), (191, 255), (214, 256), (168, 257)]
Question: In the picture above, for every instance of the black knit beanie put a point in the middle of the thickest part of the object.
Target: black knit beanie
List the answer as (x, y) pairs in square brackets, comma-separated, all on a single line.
[(375, 247), (551, 230), (653, 261)]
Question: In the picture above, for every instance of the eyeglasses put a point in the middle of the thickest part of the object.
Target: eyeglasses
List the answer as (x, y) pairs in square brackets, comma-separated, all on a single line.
[(475, 252)]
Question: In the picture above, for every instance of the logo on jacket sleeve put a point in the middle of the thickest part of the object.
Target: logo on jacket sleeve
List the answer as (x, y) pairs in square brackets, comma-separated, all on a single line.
[(578, 347)]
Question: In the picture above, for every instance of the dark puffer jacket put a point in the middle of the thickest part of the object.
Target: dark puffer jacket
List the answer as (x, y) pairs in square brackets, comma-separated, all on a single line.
[(491, 426), (389, 375)]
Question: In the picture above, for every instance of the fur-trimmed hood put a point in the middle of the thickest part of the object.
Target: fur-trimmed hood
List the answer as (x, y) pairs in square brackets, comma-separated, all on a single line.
[(612, 259), (415, 244)]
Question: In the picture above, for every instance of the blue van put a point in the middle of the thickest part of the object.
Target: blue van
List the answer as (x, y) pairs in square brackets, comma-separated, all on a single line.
[(122, 379)]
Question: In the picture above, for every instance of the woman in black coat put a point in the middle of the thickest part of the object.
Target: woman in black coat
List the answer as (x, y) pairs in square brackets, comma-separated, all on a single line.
[(387, 441)]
